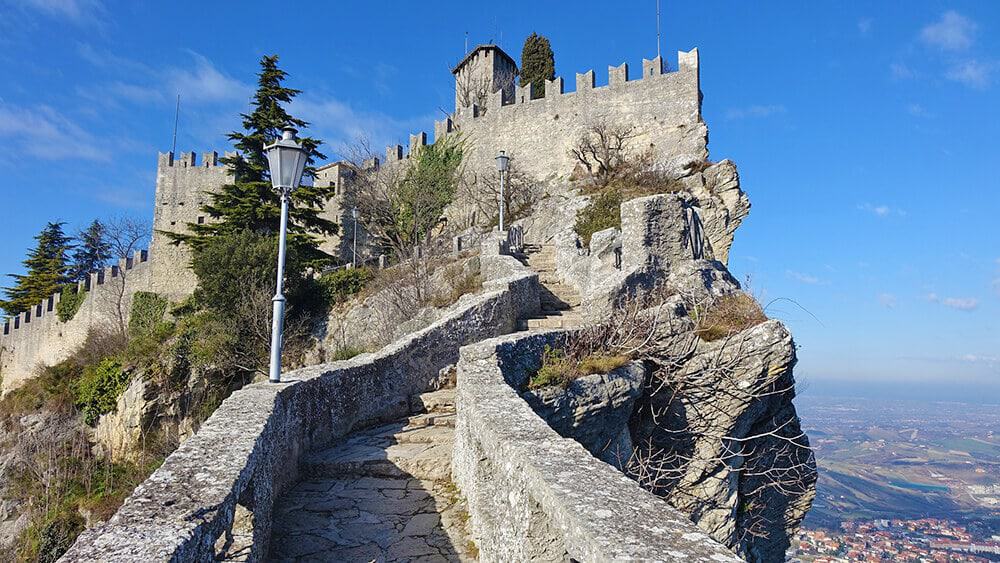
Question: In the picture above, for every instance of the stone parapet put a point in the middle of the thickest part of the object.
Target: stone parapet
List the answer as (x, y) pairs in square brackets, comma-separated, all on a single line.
[(533, 495), (248, 451)]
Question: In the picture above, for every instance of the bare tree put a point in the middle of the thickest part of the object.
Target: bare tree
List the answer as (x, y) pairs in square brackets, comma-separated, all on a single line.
[(124, 235), (476, 88), (520, 194), (603, 150)]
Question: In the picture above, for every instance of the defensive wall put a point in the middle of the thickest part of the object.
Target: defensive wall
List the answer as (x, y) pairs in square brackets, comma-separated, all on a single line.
[(663, 108), (536, 496), (247, 452), (37, 337)]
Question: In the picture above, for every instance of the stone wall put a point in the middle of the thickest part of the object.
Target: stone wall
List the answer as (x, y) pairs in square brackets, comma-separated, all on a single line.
[(37, 338), (182, 188), (533, 495), (246, 453)]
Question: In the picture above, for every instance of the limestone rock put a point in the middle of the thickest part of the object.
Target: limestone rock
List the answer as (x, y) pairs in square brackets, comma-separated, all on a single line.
[(723, 205)]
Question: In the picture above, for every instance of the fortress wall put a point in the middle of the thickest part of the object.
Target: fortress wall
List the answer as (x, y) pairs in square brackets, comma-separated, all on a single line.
[(248, 451), (664, 108), (182, 185), (37, 338), (536, 496)]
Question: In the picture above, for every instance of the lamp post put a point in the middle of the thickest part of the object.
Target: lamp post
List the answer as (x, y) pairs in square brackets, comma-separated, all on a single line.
[(287, 160), (503, 163), (354, 252)]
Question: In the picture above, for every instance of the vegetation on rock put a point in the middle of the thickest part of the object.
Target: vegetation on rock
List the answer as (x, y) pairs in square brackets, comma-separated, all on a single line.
[(70, 299), (728, 315), (339, 285), (603, 211), (561, 366)]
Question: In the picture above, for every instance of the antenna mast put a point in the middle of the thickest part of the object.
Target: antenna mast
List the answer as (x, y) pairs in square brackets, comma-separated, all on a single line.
[(658, 28), (177, 113), (466, 43)]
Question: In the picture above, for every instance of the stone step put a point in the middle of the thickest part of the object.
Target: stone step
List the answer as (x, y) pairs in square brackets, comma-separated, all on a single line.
[(427, 461), (441, 401), (430, 419), (564, 319)]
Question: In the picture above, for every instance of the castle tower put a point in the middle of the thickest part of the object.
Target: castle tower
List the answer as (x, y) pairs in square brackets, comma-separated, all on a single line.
[(182, 185), (483, 71)]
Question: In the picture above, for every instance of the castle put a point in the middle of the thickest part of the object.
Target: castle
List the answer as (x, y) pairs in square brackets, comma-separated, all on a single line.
[(492, 113)]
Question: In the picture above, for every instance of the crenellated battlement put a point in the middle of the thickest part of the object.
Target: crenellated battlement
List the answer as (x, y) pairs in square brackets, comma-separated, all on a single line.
[(48, 306), (188, 159)]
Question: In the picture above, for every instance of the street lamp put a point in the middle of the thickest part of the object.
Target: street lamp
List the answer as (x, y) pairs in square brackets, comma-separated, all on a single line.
[(503, 164), (354, 213), (287, 160)]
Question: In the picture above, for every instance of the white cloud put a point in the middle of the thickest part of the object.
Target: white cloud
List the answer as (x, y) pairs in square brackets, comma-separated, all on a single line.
[(953, 32), (802, 278), (76, 11), (865, 25), (341, 125), (917, 110), (900, 71), (881, 210), (887, 300), (44, 133), (755, 111), (972, 73), (957, 303), (204, 83)]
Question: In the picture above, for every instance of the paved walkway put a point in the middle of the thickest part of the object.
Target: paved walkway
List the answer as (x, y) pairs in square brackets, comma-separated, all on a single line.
[(383, 494)]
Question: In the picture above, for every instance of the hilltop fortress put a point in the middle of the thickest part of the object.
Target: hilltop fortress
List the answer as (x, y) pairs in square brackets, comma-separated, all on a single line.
[(663, 107)]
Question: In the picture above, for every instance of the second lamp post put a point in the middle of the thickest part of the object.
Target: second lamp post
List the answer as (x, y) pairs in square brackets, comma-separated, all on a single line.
[(503, 164)]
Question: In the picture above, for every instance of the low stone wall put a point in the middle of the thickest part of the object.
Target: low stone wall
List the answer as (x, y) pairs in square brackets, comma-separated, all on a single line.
[(533, 495), (247, 452)]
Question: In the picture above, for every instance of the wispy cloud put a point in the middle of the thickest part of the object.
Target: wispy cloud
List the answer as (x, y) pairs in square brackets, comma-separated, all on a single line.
[(972, 73), (44, 133), (341, 125), (881, 210), (887, 300), (80, 12), (900, 71), (204, 82), (957, 303), (802, 277), (953, 32), (865, 25), (755, 111)]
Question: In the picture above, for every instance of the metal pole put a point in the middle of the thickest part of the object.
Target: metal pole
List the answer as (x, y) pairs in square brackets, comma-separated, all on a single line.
[(658, 28), (278, 314), (355, 250), (503, 176)]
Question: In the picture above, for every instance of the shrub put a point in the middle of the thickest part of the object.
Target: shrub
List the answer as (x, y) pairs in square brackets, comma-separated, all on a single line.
[(458, 283), (147, 311), (340, 285), (98, 389), (559, 369), (728, 315), (346, 353), (603, 212), (69, 302)]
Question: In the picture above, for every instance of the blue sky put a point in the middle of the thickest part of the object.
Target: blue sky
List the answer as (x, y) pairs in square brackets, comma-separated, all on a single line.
[(866, 137)]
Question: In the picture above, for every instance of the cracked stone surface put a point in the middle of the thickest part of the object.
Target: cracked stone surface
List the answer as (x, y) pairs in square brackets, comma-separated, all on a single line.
[(382, 494)]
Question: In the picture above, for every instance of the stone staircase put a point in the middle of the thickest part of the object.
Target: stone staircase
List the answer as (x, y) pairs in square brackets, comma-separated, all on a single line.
[(558, 300), (382, 494)]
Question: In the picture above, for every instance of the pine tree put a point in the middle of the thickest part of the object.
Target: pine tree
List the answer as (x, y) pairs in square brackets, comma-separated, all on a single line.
[(250, 203), (538, 64), (47, 271), (92, 252)]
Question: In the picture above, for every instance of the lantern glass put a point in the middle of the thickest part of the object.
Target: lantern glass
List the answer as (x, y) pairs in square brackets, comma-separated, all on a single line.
[(503, 161), (287, 160)]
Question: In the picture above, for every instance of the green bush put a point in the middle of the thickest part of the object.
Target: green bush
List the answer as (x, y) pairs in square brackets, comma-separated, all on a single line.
[(346, 353), (69, 302), (339, 285), (603, 212), (559, 369), (147, 311), (98, 389)]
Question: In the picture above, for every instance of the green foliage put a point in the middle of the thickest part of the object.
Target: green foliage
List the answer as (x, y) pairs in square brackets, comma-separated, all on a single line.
[(339, 285), (70, 300), (98, 389), (147, 312), (346, 353), (560, 369), (429, 186), (229, 264), (250, 203), (47, 271), (54, 535), (602, 212), (92, 252), (538, 64)]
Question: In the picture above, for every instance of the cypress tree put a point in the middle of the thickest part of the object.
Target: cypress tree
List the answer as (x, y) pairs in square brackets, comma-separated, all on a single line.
[(538, 64), (47, 271), (92, 252), (250, 203)]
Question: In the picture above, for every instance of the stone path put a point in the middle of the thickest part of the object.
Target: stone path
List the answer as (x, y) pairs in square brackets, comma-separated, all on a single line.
[(383, 494), (559, 301)]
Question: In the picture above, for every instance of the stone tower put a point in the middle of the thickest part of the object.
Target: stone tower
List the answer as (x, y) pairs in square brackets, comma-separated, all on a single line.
[(483, 71), (182, 185)]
